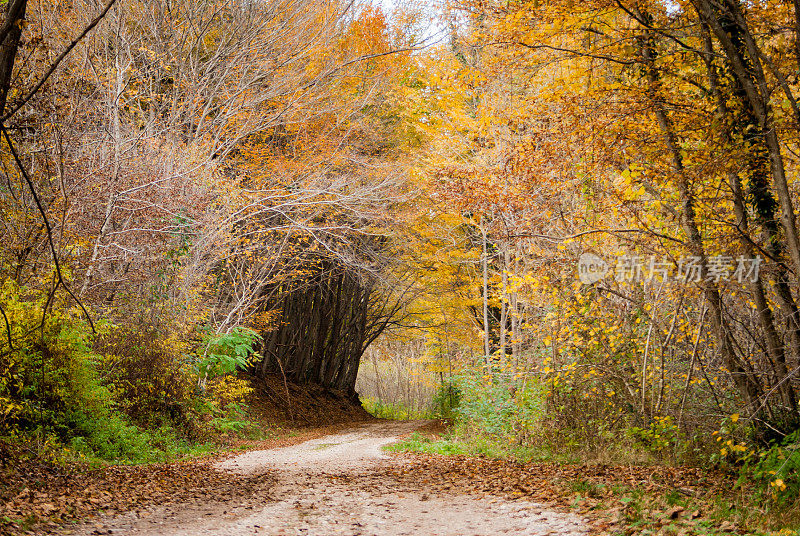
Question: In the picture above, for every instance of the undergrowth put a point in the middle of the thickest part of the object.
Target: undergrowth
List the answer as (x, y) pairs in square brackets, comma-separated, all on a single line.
[(115, 395)]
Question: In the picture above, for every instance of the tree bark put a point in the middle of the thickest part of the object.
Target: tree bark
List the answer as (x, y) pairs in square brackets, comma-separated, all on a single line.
[(747, 386), (729, 26), (485, 269), (763, 209), (10, 35)]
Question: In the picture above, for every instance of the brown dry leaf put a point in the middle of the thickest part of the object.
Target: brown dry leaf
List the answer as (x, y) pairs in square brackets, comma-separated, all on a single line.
[(675, 513)]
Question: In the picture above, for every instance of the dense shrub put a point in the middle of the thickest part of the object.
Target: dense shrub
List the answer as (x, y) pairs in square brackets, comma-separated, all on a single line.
[(146, 371), (122, 394), (500, 403), (49, 386), (447, 399)]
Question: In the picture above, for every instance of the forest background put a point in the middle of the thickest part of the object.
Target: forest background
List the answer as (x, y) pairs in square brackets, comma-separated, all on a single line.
[(195, 190)]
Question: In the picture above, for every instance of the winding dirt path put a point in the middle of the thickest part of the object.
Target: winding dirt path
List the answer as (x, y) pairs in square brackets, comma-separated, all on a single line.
[(327, 487)]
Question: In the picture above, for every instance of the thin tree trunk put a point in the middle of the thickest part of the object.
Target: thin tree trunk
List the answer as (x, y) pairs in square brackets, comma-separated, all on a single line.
[(485, 267), (746, 385), (740, 49), (504, 302), (12, 32), (763, 209)]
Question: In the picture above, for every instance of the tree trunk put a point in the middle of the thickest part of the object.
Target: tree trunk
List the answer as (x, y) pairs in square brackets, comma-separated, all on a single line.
[(10, 35), (485, 268), (728, 24), (764, 210), (747, 386)]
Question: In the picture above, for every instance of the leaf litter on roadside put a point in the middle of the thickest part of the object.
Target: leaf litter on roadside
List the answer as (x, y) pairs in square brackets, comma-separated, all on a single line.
[(615, 499), (42, 496)]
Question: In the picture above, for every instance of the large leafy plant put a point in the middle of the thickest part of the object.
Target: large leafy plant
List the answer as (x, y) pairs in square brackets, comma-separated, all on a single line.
[(226, 352)]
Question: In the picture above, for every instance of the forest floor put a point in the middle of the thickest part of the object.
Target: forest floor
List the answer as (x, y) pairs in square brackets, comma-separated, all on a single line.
[(310, 478), (340, 483)]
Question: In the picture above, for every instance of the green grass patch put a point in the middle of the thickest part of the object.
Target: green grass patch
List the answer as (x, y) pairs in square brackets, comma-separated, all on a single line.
[(394, 410), (457, 441), (417, 442)]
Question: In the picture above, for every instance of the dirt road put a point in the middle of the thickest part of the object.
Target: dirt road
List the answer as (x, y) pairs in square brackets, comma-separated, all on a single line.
[(327, 486)]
